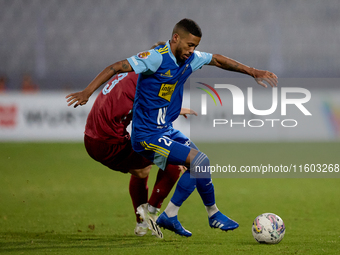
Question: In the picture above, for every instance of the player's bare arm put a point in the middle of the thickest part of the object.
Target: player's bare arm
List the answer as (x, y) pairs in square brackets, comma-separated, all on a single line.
[(229, 64), (81, 98)]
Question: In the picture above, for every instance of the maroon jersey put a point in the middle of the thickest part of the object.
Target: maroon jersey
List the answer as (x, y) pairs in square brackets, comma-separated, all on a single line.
[(111, 113)]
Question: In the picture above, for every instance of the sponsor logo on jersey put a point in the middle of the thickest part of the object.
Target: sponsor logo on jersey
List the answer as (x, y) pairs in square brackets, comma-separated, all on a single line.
[(143, 55), (167, 74), (166, 91)]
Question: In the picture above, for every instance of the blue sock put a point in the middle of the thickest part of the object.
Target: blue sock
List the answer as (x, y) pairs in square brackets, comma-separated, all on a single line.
[(192, 145), (204, 183), (184, 188), (205, 188)]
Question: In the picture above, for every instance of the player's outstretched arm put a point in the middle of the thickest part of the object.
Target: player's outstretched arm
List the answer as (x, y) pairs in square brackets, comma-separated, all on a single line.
[(229, 64), (81, 98)]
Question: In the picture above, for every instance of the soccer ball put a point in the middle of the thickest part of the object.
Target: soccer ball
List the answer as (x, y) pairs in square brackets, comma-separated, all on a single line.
[(268, 228)]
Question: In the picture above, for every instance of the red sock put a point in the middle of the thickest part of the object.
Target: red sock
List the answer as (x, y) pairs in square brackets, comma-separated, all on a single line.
[(138, 189), (165, 181)]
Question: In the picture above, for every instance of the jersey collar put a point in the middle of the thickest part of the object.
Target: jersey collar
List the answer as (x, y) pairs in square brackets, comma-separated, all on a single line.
[(170, 53)]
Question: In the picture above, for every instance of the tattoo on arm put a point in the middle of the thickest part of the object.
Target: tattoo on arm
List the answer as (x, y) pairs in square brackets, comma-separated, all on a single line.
[(112, 69), (119, 67), (126, 66), (231, 66), (213, 61)]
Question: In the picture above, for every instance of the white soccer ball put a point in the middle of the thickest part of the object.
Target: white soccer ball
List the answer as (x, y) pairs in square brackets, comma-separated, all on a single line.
[(268, 228)]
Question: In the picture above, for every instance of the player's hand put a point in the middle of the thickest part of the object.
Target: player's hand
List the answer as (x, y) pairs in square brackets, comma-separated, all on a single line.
[(186, 111), (262, 76), (78, 98), (182, 169)]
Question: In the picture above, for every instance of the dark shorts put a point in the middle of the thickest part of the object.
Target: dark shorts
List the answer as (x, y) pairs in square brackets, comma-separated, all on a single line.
[(118, 157)]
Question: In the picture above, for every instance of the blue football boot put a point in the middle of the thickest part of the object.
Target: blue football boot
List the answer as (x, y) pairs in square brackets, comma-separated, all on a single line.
[(219, 220), (172, 224)]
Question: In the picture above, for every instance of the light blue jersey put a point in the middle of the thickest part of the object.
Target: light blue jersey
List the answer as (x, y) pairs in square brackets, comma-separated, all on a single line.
[(159, 91), (158, 102)]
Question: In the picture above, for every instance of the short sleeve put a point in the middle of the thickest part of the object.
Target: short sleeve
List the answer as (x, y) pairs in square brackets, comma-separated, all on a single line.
[(146, 61), (200, 59)]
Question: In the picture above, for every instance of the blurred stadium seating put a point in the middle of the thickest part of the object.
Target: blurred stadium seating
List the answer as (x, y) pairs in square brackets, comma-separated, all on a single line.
[(65, 43)]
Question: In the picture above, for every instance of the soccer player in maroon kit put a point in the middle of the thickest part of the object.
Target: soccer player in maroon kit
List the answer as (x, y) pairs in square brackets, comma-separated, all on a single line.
[(108, 142)]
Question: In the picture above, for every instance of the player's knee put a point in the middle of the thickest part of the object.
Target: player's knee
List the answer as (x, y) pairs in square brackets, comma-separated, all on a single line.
[(200, 160), (201, 166), (141, 173)]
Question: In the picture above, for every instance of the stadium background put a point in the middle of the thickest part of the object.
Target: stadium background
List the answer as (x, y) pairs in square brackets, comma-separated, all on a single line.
[(54, 199), (62, 45)]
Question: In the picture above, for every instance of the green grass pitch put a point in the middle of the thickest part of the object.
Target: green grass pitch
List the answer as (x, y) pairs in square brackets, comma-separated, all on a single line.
[(54, 199)]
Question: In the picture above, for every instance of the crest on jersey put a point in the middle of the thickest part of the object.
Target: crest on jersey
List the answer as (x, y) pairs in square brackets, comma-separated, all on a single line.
[(143, 55)]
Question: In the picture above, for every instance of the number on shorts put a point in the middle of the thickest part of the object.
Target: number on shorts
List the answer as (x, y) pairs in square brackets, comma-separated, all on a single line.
[(167, 142)]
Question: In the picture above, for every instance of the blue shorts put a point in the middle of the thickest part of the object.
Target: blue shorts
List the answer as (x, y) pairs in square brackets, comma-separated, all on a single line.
[(170, 147)]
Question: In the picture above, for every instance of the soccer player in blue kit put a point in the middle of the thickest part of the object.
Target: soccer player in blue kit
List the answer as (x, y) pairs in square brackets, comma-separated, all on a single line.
[(163, 72)]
